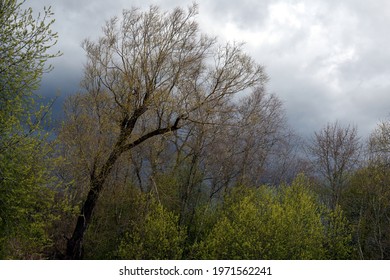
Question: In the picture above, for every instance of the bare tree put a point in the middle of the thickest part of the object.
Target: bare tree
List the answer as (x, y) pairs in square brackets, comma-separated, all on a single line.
[(379, 144), (150, 74), (243, 150), (335, 151)]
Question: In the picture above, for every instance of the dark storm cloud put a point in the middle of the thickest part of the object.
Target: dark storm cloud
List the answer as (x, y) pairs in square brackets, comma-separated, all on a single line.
[(327, 60)]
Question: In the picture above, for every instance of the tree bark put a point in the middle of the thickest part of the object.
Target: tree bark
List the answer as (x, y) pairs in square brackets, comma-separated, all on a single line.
[(74, 249)]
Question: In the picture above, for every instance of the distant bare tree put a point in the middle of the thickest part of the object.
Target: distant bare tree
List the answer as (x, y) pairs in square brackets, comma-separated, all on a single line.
[(242, 148), (379, 143), (151, 73), (335, 151)]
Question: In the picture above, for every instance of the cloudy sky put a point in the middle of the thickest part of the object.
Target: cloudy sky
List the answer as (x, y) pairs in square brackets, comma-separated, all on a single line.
[(327, 60)]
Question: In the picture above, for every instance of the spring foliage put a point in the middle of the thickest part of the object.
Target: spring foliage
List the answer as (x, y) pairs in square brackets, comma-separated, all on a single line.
[(268, 223), (25, 197), (160, 160)]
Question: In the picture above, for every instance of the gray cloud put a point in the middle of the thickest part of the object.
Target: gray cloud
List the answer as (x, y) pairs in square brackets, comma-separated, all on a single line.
[(247, 14), (327, 60)]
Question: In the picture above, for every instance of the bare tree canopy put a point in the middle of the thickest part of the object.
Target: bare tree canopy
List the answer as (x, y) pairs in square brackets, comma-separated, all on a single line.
[(379, 143), (335, 150)]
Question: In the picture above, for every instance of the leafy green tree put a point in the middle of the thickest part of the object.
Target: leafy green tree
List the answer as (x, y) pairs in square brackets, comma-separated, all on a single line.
[(118, 212), (25, 197), (236, 235), (24, 45), (367, 198), (338, 235), (26, 200), (268, 223), (131, 224), (156, 235), (366, 205)]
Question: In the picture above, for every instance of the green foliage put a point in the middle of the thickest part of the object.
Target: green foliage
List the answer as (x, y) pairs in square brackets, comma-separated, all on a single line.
[(176, 219), (180, 190), (167, 187), (265, 223), (117, 212), (338, 235), (129, 224), (24, 45), (26, 186), (26, 201), (367, 207), (156, 236)]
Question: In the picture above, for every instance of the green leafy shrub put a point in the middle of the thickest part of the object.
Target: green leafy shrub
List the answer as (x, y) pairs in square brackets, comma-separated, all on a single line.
[(155, 236), (267, 223)]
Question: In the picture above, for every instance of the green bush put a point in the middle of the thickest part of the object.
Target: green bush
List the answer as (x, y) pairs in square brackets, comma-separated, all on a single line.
[(156, 235), (267, 223)]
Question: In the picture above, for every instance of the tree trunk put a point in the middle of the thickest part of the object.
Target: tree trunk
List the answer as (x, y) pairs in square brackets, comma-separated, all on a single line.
[(74, 250)]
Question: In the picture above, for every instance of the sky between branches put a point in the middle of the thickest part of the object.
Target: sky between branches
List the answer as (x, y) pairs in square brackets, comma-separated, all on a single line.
[(327, 60)]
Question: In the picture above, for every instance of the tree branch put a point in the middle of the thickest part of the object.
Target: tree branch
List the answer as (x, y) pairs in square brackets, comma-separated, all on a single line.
[(151, 134)]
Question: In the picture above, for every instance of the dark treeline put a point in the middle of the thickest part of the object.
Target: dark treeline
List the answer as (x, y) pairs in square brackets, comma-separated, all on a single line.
[(174, 149)]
